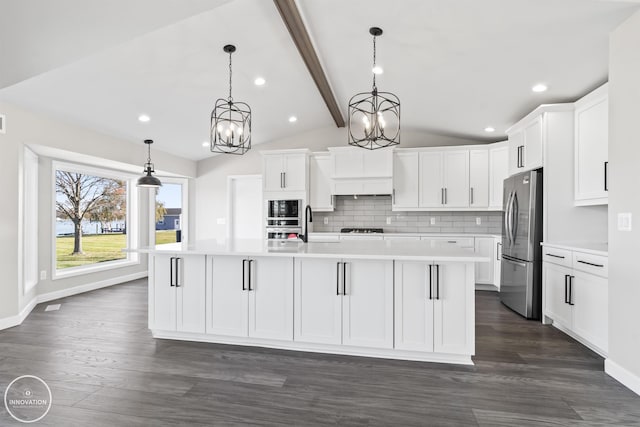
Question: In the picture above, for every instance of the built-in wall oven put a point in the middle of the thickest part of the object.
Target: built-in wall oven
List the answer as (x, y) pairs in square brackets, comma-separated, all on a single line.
[(284, 219)]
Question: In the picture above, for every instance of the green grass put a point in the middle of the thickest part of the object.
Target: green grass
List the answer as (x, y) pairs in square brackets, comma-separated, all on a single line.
[(165, 236), (97, 248)]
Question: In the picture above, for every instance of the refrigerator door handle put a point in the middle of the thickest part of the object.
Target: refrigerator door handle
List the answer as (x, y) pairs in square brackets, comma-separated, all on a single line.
[(508, 218), (512, 261), (514, 217)]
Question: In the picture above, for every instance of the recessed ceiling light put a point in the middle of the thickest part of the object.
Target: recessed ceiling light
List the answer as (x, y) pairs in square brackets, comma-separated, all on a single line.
[(144, 118), (539, 88), (293, 119), (489, 129), (205, 144), (259, 81), (377, 70)]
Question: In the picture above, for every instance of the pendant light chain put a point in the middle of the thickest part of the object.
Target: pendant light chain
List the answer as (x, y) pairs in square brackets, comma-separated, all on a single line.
[(374, 63), (230, 74), (148, 153)]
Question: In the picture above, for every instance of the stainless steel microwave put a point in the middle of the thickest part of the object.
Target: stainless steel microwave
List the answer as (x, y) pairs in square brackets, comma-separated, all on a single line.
[(284, 219)]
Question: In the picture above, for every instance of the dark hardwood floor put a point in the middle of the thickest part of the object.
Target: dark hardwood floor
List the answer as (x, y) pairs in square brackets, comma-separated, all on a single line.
[(105, 369)]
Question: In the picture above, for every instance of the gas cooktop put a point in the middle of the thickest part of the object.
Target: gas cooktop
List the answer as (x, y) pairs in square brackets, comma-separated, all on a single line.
[(361, 230)]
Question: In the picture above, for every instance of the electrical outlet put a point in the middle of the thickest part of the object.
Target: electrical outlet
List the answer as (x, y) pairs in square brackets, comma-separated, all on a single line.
[(478, 220), (388, 220), (326, 220), (43, 275), (433, 221), (222, 221), (624, 221)]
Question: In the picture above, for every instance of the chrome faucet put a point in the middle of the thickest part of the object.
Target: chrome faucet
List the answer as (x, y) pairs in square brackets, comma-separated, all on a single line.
[(308, 217)]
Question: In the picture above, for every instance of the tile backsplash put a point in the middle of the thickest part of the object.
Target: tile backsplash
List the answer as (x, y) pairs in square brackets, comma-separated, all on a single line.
[(373, 211)]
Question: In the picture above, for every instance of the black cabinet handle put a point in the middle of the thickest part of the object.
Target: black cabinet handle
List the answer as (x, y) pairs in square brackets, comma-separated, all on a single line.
[(244, 270), (344, 278), (430, 281), (250, 274), (590, 263), (337, 278), (171, 270), (566, 287), (571, 289), (177, 282), (437, 281), (556, 256), (606, 176), (471, 195)]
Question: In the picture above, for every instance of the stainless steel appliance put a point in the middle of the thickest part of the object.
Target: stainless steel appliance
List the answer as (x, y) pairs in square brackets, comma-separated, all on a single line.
[(361, 230), (284, 219), (521, 265)]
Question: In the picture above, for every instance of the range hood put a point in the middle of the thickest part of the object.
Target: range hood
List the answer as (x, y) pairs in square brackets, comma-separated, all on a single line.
[(361, 172)]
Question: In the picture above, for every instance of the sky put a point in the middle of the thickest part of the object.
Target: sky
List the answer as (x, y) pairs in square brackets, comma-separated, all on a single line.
[(171, 195)]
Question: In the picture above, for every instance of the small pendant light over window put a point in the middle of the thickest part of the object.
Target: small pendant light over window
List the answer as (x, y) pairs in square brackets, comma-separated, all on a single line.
[(149, 180), (230, 121), (374, 117)]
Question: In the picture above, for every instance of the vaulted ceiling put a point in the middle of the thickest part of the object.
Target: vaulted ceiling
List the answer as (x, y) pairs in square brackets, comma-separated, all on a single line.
[(457, 66)]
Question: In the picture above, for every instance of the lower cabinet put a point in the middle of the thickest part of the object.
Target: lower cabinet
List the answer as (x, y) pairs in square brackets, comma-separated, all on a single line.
[(342, 301), (485, 246), (434, 307), (176, 299), (250, 297)]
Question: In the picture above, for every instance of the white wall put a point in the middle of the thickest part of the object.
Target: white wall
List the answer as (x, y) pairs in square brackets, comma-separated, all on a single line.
[(33, 129), (624, 177), (211, 182)]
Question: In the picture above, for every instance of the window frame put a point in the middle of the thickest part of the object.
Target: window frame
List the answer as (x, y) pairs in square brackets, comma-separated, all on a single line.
[(132, 220), (184, 223)]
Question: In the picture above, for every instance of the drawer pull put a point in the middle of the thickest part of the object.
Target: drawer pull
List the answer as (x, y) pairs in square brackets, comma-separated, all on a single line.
[(556, 256), (591, 264), (452, 241)]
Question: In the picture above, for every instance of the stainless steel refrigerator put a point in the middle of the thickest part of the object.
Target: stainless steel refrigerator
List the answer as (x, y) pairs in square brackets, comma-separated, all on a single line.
[(521, 264)]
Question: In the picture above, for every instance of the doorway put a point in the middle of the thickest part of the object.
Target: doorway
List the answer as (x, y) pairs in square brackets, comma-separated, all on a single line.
[(245, 220)]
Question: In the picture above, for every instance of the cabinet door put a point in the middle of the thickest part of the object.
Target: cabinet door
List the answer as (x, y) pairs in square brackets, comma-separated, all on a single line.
[(163, 300), (498, 172), (405, 180), (533, 145), (272, 170), (453, 309), (271, 298), (191, 294), (554, 280), (320, 197), (479, 178), (295, 172), (484, 246), (591, 145), (367, 304), (497, 270), (413, 307), (516, 140), (591, 308), (456, 178), (227, 302), (431, 185), (318, 303)]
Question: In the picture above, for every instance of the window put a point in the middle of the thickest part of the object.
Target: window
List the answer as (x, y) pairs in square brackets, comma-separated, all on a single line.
[(170, 212), (95, 218)]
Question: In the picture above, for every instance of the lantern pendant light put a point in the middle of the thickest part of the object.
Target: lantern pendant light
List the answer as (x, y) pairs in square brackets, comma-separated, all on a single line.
[(149, 180), (230, 121), (374, 117)]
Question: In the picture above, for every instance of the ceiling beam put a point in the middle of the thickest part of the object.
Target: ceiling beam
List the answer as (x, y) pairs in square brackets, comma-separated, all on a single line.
[(293, 20)]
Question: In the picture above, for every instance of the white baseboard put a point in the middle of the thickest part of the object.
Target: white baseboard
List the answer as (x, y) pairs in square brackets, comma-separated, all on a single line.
[(625, 377), (9, 322), (484, 287)]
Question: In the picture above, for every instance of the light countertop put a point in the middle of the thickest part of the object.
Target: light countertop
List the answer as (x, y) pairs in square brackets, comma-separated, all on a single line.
[(408, 234), (419, 250), (595, 248)]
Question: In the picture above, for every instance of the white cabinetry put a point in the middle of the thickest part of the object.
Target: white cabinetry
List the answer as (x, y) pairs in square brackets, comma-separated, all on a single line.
[(485, 246), (284, 171), (434, 307), (575, 295), (320, 172), (479, 178), (498, 171), (526, 145), (251, 297), (591, 148), (358, 171), (176, 299), (347, 302), (444, 179), (406, 179)]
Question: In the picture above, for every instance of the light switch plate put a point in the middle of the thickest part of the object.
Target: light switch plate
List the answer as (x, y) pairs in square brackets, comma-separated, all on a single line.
[(222, 221), (478, 220), (388, 220), (326, 220), (624, 221), (433, 221)]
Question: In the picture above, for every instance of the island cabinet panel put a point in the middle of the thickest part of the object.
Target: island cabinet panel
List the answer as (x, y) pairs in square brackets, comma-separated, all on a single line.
[(227, 300), (434, 307), (271, 298), (367, 303), (251, 297), (556, 283), (342, 301), (318, 301), (178, 293)]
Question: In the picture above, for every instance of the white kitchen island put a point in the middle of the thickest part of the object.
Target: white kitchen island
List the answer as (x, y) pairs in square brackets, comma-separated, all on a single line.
[(408, 300)]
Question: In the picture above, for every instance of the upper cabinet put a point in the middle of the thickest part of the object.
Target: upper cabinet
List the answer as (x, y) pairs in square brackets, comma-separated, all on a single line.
[(479, 178), (360, 171), (498, 171), (320, 172), (591, 148), (285, 171), (526, 145), (406, 177), (444, 179)]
